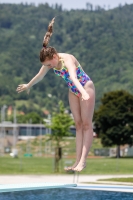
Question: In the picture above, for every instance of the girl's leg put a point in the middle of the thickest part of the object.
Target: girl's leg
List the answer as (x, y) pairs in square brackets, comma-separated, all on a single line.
[(75, 109), (87, 109)]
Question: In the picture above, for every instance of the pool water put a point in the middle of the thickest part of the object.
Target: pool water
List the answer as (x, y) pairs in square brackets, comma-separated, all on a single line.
[(65, 194)]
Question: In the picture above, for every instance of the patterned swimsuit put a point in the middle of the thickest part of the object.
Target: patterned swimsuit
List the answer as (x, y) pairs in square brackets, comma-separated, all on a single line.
[(81, 76)]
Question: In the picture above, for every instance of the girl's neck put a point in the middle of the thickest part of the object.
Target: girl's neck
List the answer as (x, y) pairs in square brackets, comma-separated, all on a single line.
[(59, 66)]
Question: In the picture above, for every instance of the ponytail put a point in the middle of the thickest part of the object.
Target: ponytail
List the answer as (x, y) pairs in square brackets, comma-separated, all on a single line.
[(48, 52), (48, 34)]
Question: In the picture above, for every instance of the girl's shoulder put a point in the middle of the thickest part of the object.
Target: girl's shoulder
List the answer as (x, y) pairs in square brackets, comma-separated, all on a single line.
[(68, 57), (69, 61)]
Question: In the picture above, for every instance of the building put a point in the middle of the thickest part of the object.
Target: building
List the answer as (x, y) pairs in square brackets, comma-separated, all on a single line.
[(10, 133)]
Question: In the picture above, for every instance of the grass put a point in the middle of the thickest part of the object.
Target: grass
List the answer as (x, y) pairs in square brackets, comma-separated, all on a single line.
[(27, 165), (127, 180), (45, 165), (109, 166), (68, 145)]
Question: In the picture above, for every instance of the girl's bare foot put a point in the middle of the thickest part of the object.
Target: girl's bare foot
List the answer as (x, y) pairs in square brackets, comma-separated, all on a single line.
[(80, 166), (71, 167)]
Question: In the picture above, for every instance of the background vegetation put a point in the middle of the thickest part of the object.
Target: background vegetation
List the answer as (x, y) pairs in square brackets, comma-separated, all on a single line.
[(43, 158), (114, 119), (101, 40), (44, 165)]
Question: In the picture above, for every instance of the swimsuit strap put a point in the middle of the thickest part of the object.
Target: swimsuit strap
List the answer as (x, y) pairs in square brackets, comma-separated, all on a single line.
[(62, 62)]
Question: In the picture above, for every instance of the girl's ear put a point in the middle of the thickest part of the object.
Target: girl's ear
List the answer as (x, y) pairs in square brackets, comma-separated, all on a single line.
[(54, 56)]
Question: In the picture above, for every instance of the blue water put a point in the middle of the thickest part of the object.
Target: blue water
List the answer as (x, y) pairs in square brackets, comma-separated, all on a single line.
[(66, 194)]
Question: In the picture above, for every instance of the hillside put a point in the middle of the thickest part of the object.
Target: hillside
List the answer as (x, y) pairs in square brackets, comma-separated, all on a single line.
[(101, 41)]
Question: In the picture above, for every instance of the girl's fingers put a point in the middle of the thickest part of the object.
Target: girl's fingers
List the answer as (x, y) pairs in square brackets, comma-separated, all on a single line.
[(21, 88), (20, 85), (85, 99), (18, 89)]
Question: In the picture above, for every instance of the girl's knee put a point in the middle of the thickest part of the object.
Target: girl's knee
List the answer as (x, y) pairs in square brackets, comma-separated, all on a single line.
[(78, 124), (87, 125)]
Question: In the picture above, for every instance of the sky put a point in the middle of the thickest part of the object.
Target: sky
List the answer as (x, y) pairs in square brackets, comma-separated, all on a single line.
[(74, 4)]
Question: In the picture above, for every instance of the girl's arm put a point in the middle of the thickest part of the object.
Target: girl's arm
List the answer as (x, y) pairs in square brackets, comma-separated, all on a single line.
[(36, 79), (72, 71), (43, 71)]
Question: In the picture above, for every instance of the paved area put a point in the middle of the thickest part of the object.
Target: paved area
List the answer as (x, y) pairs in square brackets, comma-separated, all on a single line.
[(81, 179)]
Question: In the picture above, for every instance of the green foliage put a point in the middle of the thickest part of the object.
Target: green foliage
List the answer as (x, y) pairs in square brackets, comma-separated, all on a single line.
[(31, 117), (101, 41), (114, 118), (60, 124), (44, 165)]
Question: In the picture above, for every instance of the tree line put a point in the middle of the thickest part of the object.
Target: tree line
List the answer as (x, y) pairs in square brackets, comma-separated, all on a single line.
[(101, 40)]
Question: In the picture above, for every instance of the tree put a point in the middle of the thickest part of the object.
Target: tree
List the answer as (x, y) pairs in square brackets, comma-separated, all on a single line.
[(97, 33), (114, 119), (33, 116), (89, 6), (60, 126)]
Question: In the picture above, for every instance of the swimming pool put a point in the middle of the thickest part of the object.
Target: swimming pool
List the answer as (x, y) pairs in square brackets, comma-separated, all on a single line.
[(69, 192)]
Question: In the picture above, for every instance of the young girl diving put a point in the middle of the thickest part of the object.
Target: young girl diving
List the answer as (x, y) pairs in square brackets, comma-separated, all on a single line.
[(81, 94)]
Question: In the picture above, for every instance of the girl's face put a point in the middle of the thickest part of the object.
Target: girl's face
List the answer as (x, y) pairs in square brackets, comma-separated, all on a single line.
[(52, 63)]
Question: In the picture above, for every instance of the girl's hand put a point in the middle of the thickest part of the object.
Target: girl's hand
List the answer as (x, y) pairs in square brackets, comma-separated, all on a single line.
[(85, 96), (23, 87)]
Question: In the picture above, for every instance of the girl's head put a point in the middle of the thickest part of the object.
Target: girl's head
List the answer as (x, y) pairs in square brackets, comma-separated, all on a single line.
[(47, 53)]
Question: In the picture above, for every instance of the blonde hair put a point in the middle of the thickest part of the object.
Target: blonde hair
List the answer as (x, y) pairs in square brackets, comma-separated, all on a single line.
[(48, 52)]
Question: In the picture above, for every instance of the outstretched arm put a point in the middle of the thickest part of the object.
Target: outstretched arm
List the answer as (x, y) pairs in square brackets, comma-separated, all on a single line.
[(72, 71), (36, 79)]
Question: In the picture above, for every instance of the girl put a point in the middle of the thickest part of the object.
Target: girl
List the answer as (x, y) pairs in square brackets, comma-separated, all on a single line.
[(81, 94)]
